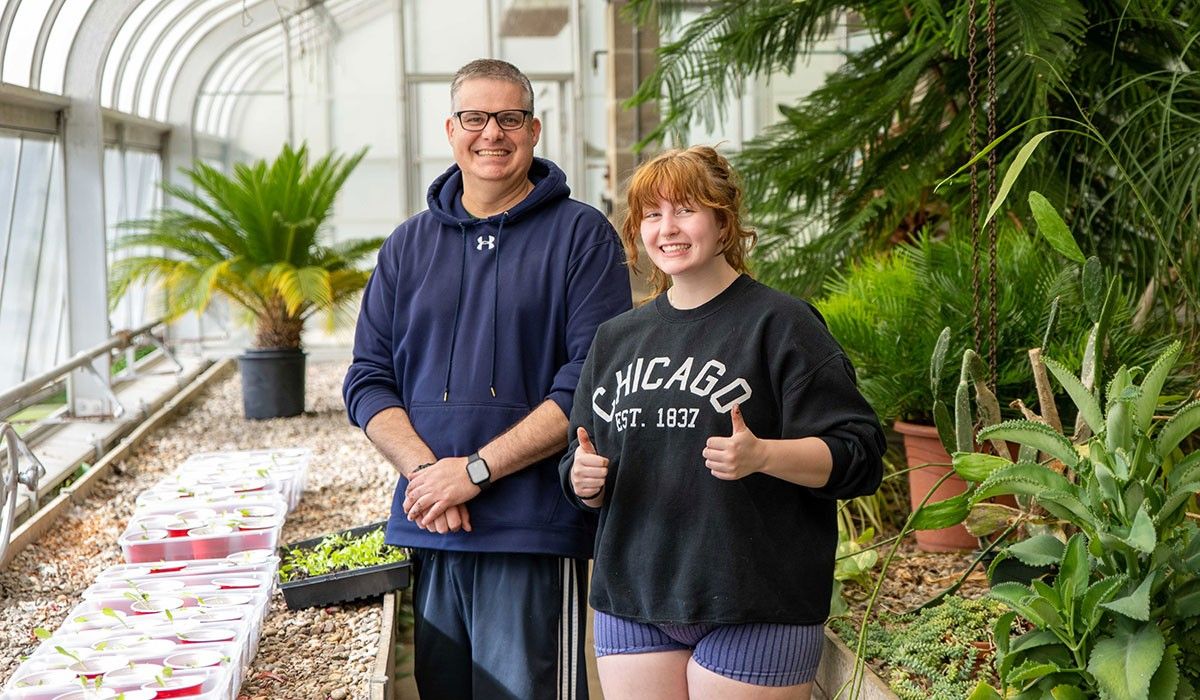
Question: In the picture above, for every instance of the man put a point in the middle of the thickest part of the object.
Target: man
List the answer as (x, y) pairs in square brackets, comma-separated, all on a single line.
[(470, 341)]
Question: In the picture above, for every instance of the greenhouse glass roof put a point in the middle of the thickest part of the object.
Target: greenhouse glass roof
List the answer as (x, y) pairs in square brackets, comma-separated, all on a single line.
[(100, 100)]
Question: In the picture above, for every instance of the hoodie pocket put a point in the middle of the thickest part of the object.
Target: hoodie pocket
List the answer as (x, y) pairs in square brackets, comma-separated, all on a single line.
[(528, 497)]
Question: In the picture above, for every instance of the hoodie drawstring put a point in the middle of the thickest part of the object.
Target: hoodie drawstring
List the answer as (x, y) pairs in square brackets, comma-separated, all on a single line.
[(496, 302), (462, 277)]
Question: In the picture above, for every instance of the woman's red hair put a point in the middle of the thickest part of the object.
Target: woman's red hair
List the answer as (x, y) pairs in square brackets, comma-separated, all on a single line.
[(699, 176)]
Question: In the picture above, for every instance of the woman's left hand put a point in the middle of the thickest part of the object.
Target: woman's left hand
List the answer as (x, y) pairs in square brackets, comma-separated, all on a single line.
[(739, 455)]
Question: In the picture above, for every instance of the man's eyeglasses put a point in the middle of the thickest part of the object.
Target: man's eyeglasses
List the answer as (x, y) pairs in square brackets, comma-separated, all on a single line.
[(477, 120)]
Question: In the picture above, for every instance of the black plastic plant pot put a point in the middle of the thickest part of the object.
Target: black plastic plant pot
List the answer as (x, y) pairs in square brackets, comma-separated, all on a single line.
[(272, 383), (344, 586)]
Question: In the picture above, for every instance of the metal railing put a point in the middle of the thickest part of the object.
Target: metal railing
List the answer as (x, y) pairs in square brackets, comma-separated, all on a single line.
[(15, 474), (20, 466), (83, 361)]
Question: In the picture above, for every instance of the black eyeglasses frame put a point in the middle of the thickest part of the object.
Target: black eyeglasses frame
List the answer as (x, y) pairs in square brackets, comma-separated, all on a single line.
[(525, 113)]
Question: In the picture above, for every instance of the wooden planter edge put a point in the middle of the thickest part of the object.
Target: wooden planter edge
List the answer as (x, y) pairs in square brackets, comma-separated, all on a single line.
[(837, 670)]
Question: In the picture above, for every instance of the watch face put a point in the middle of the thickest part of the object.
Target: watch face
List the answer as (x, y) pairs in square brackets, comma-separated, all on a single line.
[(478, 471)]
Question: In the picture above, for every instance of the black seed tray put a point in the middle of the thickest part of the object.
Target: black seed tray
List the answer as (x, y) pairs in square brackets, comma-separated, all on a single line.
[(344, 586)]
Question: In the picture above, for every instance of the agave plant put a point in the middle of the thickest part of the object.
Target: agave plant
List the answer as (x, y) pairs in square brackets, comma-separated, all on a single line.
[(253, 238)]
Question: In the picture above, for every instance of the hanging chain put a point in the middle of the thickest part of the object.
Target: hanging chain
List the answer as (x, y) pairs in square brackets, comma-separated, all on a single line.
[(992, 230), (972, 148)]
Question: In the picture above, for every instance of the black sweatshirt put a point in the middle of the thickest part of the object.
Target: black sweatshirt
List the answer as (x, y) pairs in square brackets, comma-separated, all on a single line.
[(674, 543)]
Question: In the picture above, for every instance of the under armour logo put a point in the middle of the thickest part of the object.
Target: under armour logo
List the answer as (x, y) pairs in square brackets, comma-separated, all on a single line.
[(481, 241)]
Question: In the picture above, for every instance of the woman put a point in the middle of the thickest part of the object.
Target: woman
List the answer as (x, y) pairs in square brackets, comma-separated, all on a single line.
[(714, 427)]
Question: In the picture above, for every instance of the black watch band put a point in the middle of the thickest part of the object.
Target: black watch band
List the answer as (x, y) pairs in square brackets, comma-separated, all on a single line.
[(478, 471)]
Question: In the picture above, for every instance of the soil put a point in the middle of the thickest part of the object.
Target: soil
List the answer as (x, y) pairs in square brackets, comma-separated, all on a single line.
[(912, 578), (915, 576)]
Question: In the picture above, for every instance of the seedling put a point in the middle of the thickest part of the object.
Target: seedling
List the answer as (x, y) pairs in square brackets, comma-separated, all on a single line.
[(339, 552), (67, 653)]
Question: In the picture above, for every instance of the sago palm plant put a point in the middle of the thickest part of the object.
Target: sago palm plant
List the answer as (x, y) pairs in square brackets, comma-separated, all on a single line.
[(253, 238), (852, 166)]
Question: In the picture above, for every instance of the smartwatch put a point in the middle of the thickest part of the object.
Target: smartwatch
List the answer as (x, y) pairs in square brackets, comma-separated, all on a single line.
[(478, 472)]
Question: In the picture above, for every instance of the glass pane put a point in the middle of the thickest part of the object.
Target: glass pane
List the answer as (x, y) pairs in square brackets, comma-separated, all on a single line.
[(369, 204), (132, 192), (10, 152), (442, 36), (224, 75), (140, 51), (548, 103), (260, 73), (535, 36), (49, 304), (188, 17), (431, 108), (116, 54), (185, 48), (18, 55), (427, 172), (23, 255), (58, 45)]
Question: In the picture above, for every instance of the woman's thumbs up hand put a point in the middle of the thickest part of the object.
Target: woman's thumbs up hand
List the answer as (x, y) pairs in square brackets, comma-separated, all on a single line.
[(589, 471), (738, 455)]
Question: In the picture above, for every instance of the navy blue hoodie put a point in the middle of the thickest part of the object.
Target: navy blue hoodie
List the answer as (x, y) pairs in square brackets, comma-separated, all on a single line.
[(468, 325)]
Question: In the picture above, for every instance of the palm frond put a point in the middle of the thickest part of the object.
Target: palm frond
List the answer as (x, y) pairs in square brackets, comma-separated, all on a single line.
[(251, 236)]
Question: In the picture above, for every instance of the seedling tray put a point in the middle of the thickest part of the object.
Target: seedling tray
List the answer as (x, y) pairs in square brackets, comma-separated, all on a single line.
[(344, 586)]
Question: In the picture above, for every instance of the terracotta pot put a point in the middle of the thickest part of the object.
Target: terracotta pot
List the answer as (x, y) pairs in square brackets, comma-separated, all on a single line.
[(922, 447)]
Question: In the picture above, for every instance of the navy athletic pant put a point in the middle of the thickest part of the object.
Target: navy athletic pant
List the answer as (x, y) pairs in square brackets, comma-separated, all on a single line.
[(499, 626)]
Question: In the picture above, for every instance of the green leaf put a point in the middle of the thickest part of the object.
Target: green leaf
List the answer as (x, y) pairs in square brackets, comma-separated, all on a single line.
[(1021, 478), (976, 466), (1038, 435), (1067, 692), (1067, 506), (1153, 383), (42, 633), (987, 518), (1097, 594), (1166, 679), (1185, 422), (1035, 639), (1053, 228), (944, 425), (1085, 401), (983, 691), (1107, 483), (1031, 670), (1124, 663), (1074, 572), (938, 359), (1010, 176), (963, 440), (1136, 605), (1039, 550), (1187, 605), (1142, 535), (1093, 288), (1019, 598), (1002, 631), (934, 516)]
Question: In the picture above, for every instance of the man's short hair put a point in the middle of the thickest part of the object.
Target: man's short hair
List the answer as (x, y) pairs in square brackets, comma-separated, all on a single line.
[(491, 69)]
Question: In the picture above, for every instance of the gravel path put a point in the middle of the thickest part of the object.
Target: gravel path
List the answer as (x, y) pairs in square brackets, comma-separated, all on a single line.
[(303, 655)]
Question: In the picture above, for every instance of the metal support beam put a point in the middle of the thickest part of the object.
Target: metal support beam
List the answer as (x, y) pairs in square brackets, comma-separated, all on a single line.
[(83, 157)]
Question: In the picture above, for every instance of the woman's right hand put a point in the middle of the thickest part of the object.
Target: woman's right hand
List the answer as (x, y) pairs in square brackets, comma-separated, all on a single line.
[(588, 471)]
